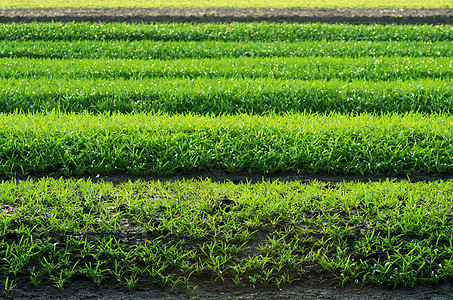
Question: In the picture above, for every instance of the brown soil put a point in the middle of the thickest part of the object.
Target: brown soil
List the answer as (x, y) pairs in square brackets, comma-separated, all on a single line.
[(222, 176), (82, 289), (308, 289), (290, 15)]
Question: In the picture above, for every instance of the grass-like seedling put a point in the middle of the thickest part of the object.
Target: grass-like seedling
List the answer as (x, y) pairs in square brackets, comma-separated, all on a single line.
[(9, 286), (145, 49), (159, 144), (386, 233), (233, 32), (290, 68), (225, 96)]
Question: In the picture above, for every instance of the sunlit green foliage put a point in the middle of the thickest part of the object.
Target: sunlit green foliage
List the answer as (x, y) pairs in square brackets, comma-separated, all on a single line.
[(240, 98), (383, 68), (149, 50), (220, 96), (265, 234), (234, 32), (159, 144)]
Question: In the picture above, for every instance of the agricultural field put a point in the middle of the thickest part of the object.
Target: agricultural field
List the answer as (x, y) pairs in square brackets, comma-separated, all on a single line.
[(227, 3), (110, 132)]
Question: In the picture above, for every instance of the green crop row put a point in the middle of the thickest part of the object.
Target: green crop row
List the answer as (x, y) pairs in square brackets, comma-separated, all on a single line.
[(210, 49), (239, 32), (346, 69), (268, 234), (218, 95), (393, 234), (159, 144)]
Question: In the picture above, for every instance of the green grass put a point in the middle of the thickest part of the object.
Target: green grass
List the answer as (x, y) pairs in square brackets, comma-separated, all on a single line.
[(225, 96), (290, 68), (176, 41), (257, 235), (231, 32), (143, 144), (229, 3), (176, 50)]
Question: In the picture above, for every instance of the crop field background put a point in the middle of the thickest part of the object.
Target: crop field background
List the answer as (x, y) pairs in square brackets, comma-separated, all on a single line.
[(227, 3), (83, 101), (259, 97)]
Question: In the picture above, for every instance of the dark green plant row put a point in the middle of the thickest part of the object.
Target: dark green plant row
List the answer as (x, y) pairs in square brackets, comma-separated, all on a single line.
[(159, 144), (327, 68), (393, 234), (211, 49), (219, 95), (224, 32)]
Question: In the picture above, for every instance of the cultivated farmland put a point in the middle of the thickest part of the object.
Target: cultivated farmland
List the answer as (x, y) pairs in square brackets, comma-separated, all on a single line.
[(87, 106)]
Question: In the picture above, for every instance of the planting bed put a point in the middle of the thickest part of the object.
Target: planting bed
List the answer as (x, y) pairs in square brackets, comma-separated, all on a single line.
[(397, 15), (330, 114)]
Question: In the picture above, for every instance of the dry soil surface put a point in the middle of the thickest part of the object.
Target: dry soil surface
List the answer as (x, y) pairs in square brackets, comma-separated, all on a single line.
[(292, 14)]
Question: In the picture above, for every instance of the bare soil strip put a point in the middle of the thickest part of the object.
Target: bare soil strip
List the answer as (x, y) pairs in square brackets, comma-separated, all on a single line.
[(83, 289), (225, 14), (222, 176)]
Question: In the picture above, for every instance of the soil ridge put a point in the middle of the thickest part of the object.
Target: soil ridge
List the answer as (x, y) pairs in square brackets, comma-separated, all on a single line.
[(434, 16)]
